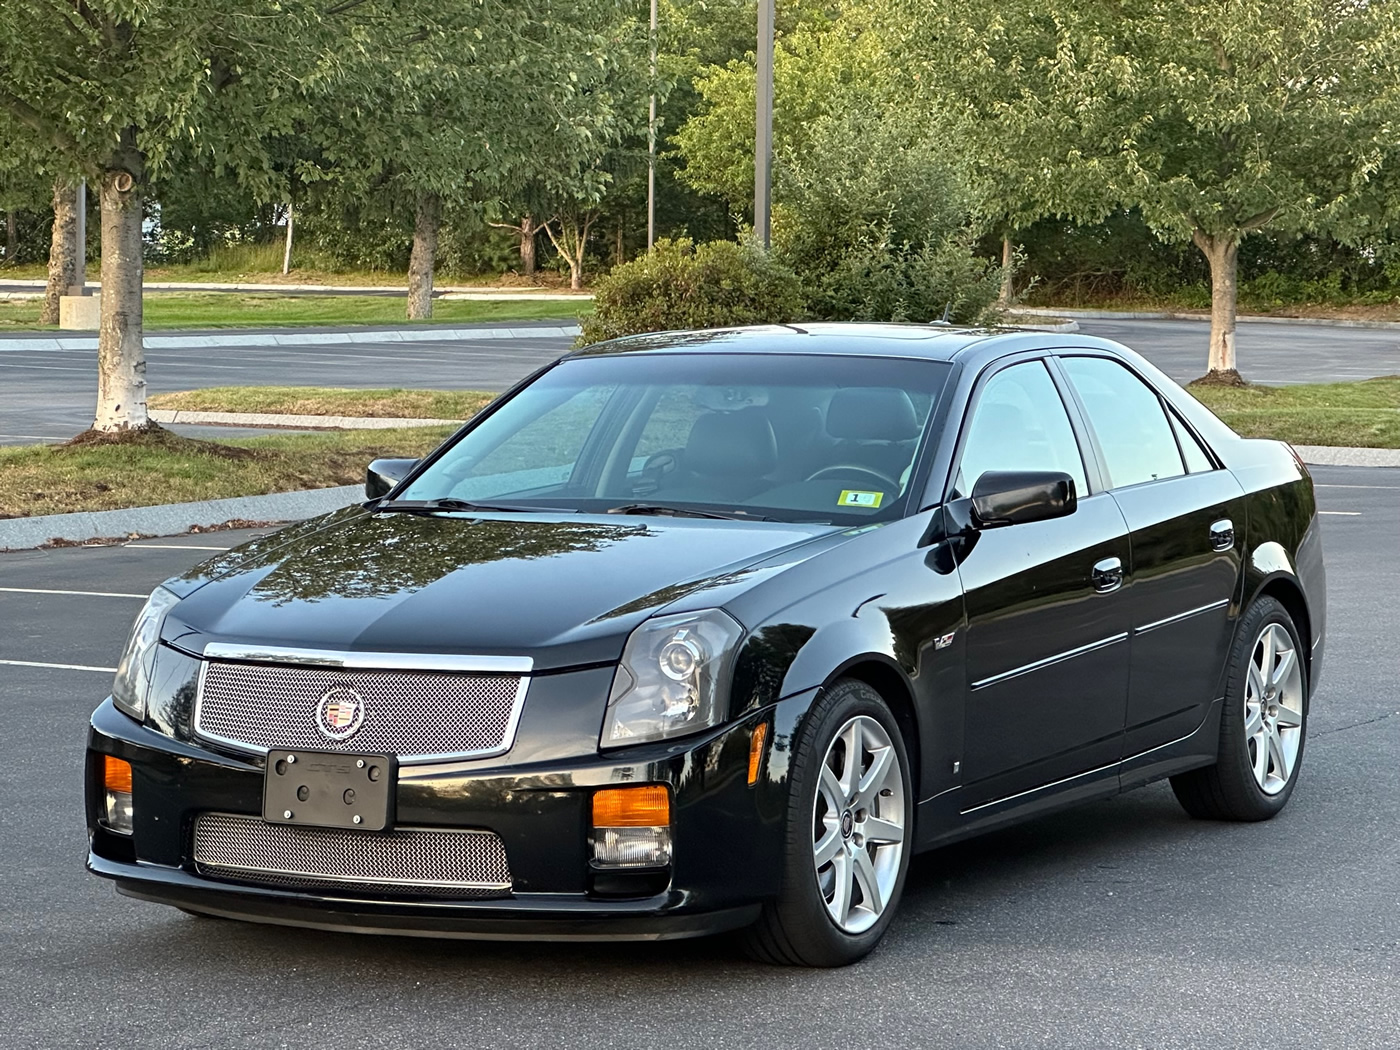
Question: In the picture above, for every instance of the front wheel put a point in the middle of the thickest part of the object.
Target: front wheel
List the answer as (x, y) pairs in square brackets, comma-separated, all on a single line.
[(850, 813), (1264, 724)]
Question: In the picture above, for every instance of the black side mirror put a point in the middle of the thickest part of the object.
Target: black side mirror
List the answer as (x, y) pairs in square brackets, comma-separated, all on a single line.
[(384, 474), (1015, 497)]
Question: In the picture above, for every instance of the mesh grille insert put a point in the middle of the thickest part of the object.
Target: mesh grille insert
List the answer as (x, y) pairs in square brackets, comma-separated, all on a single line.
[(412, 714), (406, 861)]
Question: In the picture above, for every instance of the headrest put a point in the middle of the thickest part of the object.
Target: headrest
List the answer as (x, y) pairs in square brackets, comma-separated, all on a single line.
[(732, 444), (871, 414)]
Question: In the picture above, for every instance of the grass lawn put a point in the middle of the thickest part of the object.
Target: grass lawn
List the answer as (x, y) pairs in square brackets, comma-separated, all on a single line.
[(328, 401), (164, 468), (270, 310), (1365, 414)]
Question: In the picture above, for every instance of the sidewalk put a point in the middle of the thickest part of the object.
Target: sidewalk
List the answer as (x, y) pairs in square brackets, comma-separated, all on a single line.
[(1196, 315), (311, 336), (21, 289)]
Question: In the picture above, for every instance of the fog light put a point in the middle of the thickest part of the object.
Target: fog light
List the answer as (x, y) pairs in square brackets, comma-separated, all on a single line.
[(632, 827), (116, 782)]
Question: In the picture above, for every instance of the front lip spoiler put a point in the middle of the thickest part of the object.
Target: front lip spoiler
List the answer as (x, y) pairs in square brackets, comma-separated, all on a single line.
[(548, 917)]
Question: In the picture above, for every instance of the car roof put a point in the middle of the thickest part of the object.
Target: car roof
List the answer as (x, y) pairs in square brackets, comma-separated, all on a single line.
[(933, 342)]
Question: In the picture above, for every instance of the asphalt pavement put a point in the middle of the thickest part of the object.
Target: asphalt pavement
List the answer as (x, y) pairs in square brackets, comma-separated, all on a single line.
[(48, 395), (1117, 924)]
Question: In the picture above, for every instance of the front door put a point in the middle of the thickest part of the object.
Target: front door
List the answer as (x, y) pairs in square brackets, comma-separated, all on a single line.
[(1046, 646)]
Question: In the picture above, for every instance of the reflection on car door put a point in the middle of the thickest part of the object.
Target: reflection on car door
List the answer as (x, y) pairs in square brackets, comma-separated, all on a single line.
[(1186, 525), (1046, 653)]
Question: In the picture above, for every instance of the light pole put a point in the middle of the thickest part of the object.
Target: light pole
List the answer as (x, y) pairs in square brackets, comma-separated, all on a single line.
[(763, 140), (651, 140)]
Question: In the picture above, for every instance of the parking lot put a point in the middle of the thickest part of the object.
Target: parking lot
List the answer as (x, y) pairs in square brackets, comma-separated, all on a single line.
[(1122, 924)]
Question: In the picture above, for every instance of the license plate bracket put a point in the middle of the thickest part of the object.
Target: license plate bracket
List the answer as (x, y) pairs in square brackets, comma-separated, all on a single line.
[(329, 789)]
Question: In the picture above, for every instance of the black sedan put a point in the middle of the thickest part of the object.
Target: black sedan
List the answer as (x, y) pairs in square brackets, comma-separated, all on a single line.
[(711, 631)]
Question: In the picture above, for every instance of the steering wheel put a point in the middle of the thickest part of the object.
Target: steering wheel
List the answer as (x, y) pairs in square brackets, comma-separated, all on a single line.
[(886, 482)]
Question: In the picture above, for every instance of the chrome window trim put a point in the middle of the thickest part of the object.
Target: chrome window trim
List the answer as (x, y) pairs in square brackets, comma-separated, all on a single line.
[(1016, 672), (289, 656)]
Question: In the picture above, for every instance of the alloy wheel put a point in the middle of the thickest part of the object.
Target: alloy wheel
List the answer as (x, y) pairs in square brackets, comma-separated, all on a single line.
[(858, 819), (1273, 709)]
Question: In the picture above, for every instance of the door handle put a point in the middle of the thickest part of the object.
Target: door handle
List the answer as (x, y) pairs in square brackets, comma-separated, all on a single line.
[(1107, 575), (1222, 535)]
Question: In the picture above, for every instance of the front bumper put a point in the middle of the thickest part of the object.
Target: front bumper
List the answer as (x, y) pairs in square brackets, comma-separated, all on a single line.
[(726, 836)]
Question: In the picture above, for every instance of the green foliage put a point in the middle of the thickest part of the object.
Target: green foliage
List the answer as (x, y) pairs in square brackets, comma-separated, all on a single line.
[(680, 285), (880, 282)]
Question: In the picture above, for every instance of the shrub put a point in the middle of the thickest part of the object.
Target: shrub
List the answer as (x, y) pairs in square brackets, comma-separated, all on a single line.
[(683, 285)]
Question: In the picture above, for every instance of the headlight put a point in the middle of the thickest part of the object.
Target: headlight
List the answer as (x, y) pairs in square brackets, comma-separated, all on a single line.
[(673, 678), (137, 665)]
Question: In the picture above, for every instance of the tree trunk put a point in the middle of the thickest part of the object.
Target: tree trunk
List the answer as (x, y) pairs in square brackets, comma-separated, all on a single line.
[(1222, 252), (528, 233), (121, 356), (427, 217), (1008, 287), (63, 250), (11, 236), (576, 273)]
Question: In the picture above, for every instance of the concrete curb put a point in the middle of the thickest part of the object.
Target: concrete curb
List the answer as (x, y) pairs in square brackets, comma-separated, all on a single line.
[(291, 338), (1064, 327), (1184, 315), (278, 419), (460, 291), (1339, 456), (172, 519)]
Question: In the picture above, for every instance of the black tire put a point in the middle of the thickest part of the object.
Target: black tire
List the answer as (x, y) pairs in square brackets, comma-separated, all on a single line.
[(797, 929), (1229, 790)]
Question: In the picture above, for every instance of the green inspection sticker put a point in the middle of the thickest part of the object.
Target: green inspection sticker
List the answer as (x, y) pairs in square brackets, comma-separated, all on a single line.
[(857, 498)]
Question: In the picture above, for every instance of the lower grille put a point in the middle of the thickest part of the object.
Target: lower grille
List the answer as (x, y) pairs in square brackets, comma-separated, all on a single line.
[(402, 862)]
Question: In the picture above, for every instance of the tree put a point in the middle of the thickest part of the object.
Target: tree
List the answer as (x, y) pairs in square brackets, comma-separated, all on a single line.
[(119, 89), (1213, 120)]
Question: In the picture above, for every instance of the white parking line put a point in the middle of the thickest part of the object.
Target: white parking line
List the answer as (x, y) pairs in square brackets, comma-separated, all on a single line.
[(87, 594), (61, 667), (1342, 513)]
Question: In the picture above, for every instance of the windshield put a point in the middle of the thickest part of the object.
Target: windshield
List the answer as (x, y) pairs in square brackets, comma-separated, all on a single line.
[(790, 437)]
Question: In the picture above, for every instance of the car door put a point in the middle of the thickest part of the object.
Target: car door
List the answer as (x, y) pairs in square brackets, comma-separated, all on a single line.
[(1046, 659), (1186, 525)]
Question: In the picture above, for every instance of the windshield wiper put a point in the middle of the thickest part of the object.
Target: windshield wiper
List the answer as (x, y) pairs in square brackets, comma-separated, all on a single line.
[(680, 512), (449, 503)]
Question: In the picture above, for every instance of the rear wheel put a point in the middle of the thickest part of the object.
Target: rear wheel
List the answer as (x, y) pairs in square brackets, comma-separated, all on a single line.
[(1264, 724), (850, 812)]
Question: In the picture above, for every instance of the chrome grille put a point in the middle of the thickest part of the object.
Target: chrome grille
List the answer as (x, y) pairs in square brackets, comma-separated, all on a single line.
[(409, 713), (406, 861)]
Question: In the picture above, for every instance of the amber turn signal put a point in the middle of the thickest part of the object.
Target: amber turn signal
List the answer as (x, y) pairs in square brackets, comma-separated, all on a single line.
[(756, 742), (647, 806), (116, 774)]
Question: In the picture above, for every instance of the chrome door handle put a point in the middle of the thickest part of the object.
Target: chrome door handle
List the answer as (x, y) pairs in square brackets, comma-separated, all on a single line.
[(1107, 575), (1222, 535)]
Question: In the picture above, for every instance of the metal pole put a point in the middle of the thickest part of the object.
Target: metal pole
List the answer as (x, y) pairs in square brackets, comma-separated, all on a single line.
[(80, 235), (287, 253), (763, 140), (651, 141)]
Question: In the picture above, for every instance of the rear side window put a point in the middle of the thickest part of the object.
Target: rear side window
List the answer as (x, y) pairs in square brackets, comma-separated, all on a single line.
[(1197, 462), (1019, 424), (1127, 416)]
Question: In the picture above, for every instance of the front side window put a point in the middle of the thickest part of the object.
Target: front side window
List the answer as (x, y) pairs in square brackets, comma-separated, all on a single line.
[(792, 437), (1019, 423), (1127, 416)]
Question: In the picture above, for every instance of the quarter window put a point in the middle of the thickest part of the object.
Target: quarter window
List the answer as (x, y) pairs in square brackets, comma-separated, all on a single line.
[(1019, 423), (1197, 462), (1128, 419)]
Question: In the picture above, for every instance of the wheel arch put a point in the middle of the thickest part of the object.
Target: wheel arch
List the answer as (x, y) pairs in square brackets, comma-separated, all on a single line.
[(1286, 590), (886, 677)]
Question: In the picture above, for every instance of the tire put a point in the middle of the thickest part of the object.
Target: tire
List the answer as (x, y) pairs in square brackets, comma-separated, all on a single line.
[(1263, 727), (803, 926)]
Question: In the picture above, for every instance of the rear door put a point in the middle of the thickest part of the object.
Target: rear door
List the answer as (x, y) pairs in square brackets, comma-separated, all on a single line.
[(1186, 524), (1046, 646)]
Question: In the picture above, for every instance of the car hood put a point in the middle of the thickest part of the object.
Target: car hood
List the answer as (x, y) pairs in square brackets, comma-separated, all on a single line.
[(564, 590)]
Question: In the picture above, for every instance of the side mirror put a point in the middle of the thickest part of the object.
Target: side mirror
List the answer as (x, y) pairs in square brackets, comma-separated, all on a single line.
[(384, 474), (1015, 497)]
